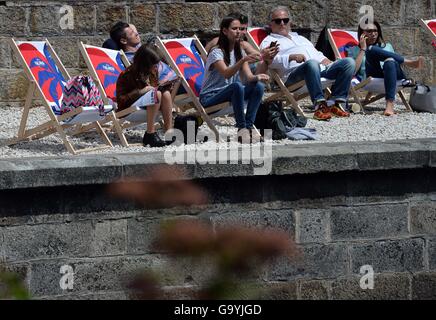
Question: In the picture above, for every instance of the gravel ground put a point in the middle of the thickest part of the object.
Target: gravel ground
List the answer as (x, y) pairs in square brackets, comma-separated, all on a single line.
[(369, 127)]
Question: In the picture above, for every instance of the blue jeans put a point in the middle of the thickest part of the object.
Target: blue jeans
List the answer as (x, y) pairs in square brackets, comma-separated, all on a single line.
[(236, 93), (341, 71), (391, 71)]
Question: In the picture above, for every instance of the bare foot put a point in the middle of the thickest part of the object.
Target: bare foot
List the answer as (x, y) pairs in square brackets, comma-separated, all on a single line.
[(417, 64), (389, 111)]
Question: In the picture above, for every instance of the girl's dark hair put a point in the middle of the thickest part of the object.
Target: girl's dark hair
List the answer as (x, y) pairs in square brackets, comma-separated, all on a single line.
[(145, 58), (379, 41), (242, 18), (223, 41)]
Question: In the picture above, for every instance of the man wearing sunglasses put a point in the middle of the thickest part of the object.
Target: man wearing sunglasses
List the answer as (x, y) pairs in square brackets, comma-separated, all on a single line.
[(299, 60)]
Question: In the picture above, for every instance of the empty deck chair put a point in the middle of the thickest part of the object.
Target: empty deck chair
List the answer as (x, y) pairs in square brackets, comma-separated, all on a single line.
[(47, 77)]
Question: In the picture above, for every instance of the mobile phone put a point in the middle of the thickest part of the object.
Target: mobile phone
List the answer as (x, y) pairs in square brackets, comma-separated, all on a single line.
[(273, 44)]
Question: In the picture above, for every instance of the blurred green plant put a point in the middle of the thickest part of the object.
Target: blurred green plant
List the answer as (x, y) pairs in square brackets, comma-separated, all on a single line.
[(11, 286)]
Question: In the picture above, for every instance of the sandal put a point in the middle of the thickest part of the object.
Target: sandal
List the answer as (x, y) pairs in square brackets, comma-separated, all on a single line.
[(408, 83)]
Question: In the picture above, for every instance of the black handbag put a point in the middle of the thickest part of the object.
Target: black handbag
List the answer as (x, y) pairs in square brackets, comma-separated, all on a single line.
[(181, 123)]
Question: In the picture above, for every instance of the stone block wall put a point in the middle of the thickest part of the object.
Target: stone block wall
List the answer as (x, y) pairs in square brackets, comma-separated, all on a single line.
[(345, 206), (395, 236), (93, 18)]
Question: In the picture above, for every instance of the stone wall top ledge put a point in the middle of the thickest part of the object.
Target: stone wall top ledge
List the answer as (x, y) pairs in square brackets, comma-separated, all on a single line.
[(287, 160)]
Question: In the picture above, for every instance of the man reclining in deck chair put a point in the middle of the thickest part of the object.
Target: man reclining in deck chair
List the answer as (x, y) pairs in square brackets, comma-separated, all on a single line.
[(124, 36), (299, 60)]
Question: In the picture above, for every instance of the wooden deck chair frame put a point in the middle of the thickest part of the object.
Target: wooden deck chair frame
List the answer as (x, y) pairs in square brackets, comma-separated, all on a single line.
[(360, 87), (424, 24), (54, 125), (285, 91), (117, 118), (193, 98), (178, 99), (119, 123)]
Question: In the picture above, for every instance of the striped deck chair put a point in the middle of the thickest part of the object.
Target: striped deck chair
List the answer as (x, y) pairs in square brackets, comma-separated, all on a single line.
[(187, 57), (105, 65), (293, 93), (430, 27), (340, 40), (47, 77)]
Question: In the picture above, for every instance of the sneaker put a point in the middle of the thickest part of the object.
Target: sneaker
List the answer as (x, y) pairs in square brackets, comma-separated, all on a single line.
[(255, 136), (338, 111), (244, 136), (153, 140), (322, 112)]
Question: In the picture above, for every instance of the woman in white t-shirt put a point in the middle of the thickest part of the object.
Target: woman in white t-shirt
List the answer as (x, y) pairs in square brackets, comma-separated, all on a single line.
[(228, 78)]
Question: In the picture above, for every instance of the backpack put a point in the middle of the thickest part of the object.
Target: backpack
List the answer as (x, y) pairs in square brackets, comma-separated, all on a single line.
[(271, 115), (81, 91), (181, 123)]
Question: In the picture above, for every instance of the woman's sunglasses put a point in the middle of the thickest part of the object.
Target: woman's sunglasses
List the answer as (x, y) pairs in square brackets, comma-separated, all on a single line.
[(279, 21)]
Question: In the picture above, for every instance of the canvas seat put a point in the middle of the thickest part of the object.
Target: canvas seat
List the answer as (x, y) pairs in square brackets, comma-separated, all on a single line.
[(47, 77), (105, 65), (187, 57)]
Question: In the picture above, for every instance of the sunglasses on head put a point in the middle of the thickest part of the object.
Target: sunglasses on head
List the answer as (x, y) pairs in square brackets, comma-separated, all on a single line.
[(279, 21)]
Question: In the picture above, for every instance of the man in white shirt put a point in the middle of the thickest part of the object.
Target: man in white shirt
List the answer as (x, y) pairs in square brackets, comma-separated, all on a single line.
[(299, 60)]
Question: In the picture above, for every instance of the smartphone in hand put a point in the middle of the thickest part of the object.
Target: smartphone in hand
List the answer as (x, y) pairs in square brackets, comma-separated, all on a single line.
[(273, 44)]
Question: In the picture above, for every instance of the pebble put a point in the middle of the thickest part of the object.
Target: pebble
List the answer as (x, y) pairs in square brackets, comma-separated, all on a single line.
[(358, 127)]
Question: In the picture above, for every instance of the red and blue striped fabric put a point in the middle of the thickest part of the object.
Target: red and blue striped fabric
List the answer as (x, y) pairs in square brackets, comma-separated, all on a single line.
[(108, 65), (188, 60), (432, 25), (343, 40), (45, 71), (258, 34), (166, 74)]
